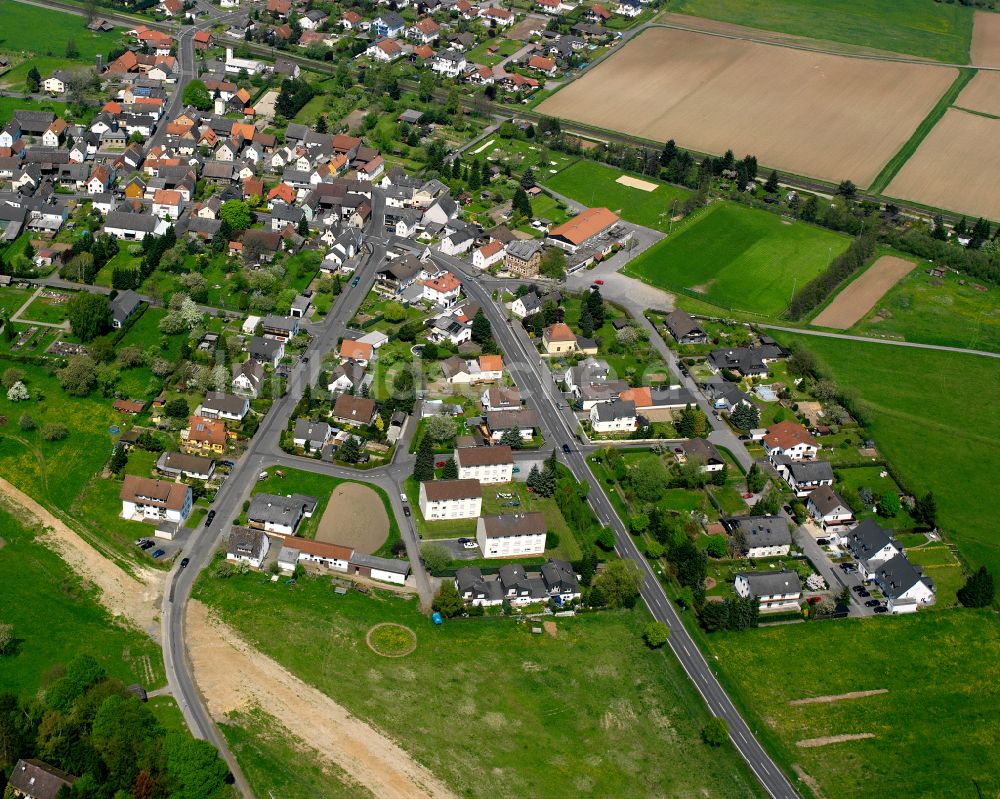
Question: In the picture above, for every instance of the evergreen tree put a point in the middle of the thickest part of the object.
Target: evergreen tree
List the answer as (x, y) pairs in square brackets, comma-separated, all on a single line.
[(423, 469), (303, 227), (33, 81), (745, 417), (521, 204), (512, 438), (450, 470), (482, 331), (669, 153), (321, 126), (586, 323), (756, 479), (546, 484), (475, 176), (456, 168), (925, 510), (594, 302), (119, 458), (978, 590), (772, 182), (719, 477), (350, 450), (533, 478), (527, 179), (685, 422)]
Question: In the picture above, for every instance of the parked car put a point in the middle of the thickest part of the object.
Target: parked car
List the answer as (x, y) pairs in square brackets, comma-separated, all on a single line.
[(159, 553), (470, 545), (881, 609), (147, 545), (872, 603), (863, 593), (406, 510), (464, 540), (823, 542), (185, 562), (356, 281), (599, 282), (439, 464), (262, 476), (210, 518), (402, 496), (858, 589)]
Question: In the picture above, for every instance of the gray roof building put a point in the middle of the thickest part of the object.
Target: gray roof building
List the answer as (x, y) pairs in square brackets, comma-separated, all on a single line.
[(760, 531), (772, 583), (123, 306), (897, 576), (272, 509)]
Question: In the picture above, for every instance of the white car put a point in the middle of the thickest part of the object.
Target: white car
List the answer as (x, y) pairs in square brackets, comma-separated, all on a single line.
[(402, 496)]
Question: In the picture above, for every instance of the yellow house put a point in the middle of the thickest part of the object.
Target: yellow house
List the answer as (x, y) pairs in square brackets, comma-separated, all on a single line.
[(558, 339)]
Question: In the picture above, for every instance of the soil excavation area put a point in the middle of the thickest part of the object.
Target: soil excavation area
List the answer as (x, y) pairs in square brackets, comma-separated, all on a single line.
[(827, 116), (355, 517)]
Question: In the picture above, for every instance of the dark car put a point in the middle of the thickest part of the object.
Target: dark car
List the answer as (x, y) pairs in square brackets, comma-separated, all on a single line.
[(406, 510), (355, 281), (872, 603), (566, 448), (305, 359), (159, 553), (210, 518), (463, 540), (864, 594), (185, 562), (881, 609), (147, 545), (230, 464), (858, 589), (823, 542)]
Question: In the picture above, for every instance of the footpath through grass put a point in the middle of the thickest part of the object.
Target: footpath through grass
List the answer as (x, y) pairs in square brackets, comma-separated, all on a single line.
[(937, 730), (933, 414), (739, 258), (890, 170), (595, 184), (592, 711), (56, 616), (941, 31)]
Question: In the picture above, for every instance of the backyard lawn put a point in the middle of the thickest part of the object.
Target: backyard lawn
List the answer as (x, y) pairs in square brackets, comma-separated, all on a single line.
[(937, 311), (932, 414), (591, 710), (594, 184), (936, 733), (739, 257), (940, 31), (11, 299), (55, 616), (48, 309)]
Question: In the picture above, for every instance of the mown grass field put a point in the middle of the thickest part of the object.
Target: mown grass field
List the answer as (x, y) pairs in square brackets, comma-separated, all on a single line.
[(937, 730), (277, 764), (937, 311), (740, 258), (933, 415), (40, 36), (595, 184), (56, 616), (8, 105), (939, 31), (592, 711)]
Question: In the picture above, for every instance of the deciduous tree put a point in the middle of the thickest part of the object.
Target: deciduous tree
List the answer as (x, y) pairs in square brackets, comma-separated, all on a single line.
[(656, 634), (89, 315)]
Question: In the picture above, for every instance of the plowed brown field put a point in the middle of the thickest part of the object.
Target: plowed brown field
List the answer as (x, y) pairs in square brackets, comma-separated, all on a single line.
[(955, 167), (827, 116), (986, 39), (982, 93), (860, 297)]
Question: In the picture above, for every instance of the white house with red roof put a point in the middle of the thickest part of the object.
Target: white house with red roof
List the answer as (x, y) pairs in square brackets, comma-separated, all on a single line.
[(442, 289), (489, 254)]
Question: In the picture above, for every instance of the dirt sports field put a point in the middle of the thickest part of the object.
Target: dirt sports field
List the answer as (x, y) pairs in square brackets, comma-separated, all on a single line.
[(828, 116), (860, 297), (955, 167), (986, 39), (636, 183), (982, 93), (355, 517)]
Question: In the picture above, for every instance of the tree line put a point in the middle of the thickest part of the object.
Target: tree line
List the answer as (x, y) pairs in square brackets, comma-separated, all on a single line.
[(816, 291)]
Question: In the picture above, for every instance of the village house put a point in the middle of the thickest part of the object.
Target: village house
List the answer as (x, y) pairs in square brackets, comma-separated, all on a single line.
[(267, 350), (523, 257), (147, 499), (558, 339), (556, 580), (309, 435), (905, 586), (489, 254), (248, 377), (805, 476), (775, 590), (704, 453), (759, 536), (871, 545), (584, 229), (204, 435), (279, 515), (791, 441), (485, 464), (618, 416), (180, 465), (247, 545), (354, 410), (523, 420), (684, 328), (511, 535), (830, 510), (220, 405), (123, 306), (500, 398), (450, 499), (33, 779), (356, 351)]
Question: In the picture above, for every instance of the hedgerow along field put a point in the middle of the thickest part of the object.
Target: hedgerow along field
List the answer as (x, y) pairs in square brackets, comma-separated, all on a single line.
[(940, 31), (592, 709), (933, 415), (937, 729), (740, 258), (827, 116), (56, 617), (594, 184)]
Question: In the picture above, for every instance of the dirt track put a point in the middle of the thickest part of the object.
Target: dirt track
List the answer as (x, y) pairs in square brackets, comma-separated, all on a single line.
[(851, 305), (954, 167), (122, 594), (232, 675), (827, 116), (355, 517), (819, 700), (826, 740)]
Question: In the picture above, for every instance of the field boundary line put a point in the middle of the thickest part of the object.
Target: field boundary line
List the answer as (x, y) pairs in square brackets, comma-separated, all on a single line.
[(869, 340), (896, 163)]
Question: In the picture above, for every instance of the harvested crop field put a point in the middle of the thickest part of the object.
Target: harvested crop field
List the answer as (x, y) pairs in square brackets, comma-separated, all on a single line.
[(828, 116), (953, 167), (355, 518), (860, 297), (986, 39), (982, 93)]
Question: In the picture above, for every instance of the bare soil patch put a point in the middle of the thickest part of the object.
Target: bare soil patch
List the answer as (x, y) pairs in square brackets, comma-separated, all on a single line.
[(953, 169), (817, 700), (635, 183), (122, 594), (355, 517), (850, 306), (550, 628), (986, 39), (982, 93), (829, 116), (232, 675), (826, 740), (808, 780)]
